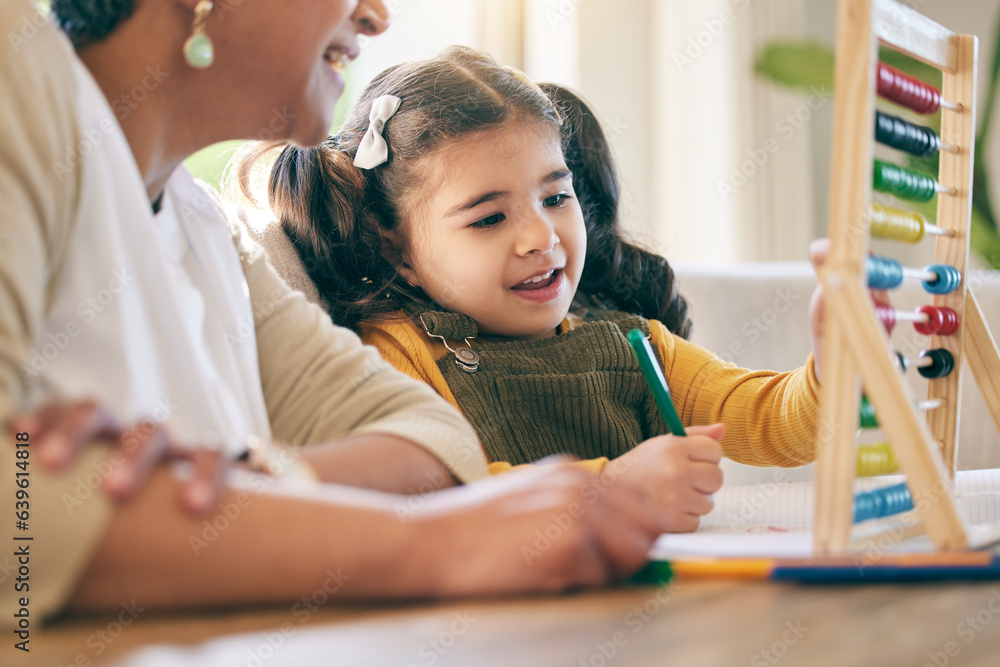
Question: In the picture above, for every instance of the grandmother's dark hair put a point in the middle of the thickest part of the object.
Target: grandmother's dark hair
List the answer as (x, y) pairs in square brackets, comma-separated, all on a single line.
[(88, 21), (336, 214)]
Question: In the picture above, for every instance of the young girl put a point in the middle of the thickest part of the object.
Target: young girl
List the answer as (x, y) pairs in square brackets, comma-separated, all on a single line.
[(464, 220)]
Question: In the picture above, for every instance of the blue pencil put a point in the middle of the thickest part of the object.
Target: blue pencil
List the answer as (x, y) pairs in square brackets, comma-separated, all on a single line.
[(884, 574)]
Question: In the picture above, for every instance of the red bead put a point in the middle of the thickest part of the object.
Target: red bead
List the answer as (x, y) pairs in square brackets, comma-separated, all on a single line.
[(941, 321), (887, 314), (907, 91), (950, 324)]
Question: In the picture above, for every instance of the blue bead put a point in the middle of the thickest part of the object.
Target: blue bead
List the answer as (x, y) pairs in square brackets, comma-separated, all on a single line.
[(947, 281), (882, 502), (883, 273)]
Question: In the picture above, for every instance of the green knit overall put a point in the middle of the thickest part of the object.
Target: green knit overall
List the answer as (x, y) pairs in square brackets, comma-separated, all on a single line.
[(579, 392)]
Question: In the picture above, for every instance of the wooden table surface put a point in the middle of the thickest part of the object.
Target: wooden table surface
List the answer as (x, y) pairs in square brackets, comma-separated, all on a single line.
[(691, 622)]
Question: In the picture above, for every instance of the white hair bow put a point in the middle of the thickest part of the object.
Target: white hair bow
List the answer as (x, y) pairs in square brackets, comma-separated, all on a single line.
[(373, 150)]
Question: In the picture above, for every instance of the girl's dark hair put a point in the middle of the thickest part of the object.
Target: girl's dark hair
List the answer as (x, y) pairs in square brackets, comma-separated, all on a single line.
[(617, 274), (339, 216), (89, 21)]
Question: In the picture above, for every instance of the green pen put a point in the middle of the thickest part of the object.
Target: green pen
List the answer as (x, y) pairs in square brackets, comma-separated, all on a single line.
[(655, 379)]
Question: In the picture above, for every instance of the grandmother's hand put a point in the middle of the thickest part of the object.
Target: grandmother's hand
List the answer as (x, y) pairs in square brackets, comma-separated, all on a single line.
[(60, 431)]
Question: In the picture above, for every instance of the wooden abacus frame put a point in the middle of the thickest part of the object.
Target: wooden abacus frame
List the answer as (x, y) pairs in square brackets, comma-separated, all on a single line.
[(856, 348)]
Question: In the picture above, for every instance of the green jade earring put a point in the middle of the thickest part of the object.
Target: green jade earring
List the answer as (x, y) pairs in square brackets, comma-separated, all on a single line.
[(199, 52)]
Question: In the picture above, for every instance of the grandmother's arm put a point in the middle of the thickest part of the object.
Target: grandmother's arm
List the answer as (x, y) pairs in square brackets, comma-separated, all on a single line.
[(369, 424)]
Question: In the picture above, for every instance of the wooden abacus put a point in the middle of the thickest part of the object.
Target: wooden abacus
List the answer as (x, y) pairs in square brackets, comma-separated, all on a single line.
[(856, 351)]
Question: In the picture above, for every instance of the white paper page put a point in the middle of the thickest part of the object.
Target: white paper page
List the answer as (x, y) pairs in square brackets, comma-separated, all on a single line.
[(776, 519)]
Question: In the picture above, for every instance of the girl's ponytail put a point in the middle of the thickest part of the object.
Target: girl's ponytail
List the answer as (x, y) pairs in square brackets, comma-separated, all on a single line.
[(324, 206), (617, 273)]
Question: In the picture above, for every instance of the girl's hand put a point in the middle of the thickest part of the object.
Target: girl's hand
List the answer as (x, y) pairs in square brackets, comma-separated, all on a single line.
[(59, 431), (677, 475), (818, 251), (547, 528)]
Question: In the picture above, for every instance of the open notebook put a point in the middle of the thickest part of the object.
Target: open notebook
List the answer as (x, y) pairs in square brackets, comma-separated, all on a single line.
[(775, 519)]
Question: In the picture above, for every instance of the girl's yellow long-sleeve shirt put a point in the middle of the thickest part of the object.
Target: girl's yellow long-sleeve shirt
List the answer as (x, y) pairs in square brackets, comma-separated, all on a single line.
[(771, 417)]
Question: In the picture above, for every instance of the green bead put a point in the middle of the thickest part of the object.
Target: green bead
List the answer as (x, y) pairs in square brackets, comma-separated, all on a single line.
[(199, 51), (903, 183), (868, 419)]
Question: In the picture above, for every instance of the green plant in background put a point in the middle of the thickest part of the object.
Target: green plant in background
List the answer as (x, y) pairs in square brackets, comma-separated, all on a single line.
[(804, 65)]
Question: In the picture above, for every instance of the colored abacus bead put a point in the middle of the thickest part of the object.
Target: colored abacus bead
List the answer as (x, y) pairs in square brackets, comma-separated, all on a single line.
[(866, 411), (941, 321), (887, 314), (883, 272), (942, 363), (876, 459), (906, 91), (903, 362), (882, 502), (896, 224), (867, 414), (947, 281), (905, 136), (902, 183)]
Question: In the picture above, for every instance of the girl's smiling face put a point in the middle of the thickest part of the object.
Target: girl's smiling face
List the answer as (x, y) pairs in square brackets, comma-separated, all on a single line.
[(495, 230)]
